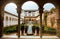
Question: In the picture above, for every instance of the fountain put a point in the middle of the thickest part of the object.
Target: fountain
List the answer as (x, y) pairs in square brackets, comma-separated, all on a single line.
[(29, 31)]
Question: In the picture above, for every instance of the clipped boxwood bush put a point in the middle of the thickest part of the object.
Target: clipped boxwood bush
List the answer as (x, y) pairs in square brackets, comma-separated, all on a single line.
[(49, 30), (22, 26), (10, 29)]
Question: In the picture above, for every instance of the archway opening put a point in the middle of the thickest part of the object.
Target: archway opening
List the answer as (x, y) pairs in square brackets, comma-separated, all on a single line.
[(10, 20), (29, 20), (49, 20)]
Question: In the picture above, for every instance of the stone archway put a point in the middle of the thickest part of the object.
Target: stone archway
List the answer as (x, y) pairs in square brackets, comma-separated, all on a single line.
[(29, 13), (2, 15), (57, 16), (19, 4), (40, 13)]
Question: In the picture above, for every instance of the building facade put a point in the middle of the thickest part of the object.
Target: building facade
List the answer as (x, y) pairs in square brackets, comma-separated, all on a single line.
[(10, 19)]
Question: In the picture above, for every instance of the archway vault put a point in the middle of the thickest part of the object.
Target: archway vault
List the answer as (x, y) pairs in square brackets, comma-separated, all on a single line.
[(19, 4)]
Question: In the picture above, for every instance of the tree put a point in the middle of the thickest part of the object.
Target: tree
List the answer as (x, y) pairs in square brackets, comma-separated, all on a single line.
[(52, 10), (45, 17), (46, 12)]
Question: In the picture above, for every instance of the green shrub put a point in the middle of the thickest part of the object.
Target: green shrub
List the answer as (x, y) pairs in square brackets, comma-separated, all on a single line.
[(10, 29), (49, 30)]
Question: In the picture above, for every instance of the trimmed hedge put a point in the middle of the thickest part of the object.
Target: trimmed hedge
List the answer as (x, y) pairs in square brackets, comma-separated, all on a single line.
[(49, 30), (10, 29)]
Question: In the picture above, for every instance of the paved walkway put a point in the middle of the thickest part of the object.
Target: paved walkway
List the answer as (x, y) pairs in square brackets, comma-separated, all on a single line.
[(14, 36), (29, 38)]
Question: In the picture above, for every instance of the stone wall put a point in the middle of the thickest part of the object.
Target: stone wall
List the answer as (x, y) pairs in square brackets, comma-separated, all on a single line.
[(51, 20)]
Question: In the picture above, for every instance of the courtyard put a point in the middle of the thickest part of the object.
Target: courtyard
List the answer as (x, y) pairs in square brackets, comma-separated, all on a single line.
[(29, 19)]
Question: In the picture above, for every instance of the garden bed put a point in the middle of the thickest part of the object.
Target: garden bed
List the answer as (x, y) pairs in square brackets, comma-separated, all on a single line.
[(49, 30), (10, 29)]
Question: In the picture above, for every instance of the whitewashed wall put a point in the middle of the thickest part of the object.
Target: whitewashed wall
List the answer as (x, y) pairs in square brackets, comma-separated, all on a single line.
[(10, 22)]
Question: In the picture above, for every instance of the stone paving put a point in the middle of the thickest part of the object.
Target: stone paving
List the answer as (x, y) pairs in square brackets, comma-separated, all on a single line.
[(29, 38), (14, 36)]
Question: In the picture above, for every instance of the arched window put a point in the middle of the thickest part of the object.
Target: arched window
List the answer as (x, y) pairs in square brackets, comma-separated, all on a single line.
[(6, 18)]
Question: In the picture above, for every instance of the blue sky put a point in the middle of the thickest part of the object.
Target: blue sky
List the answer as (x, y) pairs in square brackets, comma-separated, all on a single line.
[(48, 6), (30, 5), (11, 7)]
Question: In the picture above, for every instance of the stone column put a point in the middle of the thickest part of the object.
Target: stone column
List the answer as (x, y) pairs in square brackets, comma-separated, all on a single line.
[(58, 21), (1, 22), (18, 27), (40, 13), (58, 28)]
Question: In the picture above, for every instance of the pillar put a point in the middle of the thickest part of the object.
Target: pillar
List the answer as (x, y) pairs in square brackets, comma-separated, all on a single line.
[(1, 22), (58, 28), (40, 13), (18, 27), (58, 21)]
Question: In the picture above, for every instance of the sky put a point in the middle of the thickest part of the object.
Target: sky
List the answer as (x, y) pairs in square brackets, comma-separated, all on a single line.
[(30, 5)]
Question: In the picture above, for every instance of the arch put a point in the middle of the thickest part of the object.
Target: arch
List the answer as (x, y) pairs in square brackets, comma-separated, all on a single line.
[(29, 11), (11, 7), (6, 21), (31, 2), (49, 6), (49, 3), (22, 1), (6, 18), (7, 2), (48, 21), (11, 4)]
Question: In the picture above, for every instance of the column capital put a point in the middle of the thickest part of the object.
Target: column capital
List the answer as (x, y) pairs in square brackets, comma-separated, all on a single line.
[(18, 10)]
